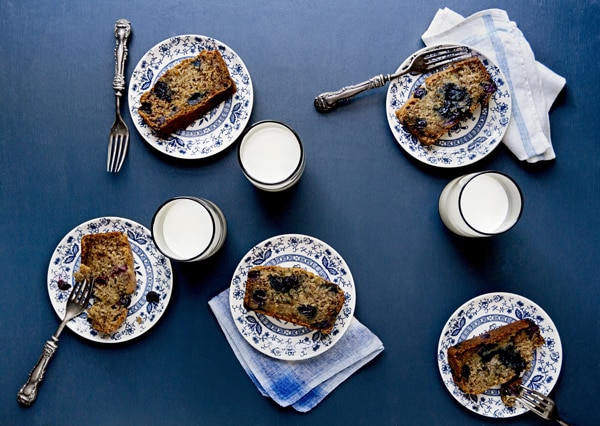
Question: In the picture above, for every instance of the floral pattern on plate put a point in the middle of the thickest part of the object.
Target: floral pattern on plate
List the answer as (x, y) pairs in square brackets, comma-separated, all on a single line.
[(280, 339), (480, 315), (152, 271), (218, 128), (468, 141)]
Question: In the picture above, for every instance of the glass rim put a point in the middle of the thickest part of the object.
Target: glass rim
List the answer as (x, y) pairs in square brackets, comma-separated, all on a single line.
[(210, 214), (297, 168), (505, 176)]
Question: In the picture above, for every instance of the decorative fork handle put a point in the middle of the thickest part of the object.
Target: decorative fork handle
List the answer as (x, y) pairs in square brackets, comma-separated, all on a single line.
[(28, 393), (329, 100), (122, 32)]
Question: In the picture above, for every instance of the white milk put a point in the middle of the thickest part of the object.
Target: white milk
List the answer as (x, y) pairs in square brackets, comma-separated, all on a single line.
[(480, 204), (484, 203), (270, 153), (187, 228)]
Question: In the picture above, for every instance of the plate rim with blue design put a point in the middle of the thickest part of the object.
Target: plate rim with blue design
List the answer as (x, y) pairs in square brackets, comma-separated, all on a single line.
[(153, 272), (277, 338), (478, 316), (218, 128), (467, 142)]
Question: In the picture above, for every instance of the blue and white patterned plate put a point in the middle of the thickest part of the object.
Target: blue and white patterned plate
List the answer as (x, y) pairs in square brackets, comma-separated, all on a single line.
[(152, 271), (281, 339), (484, 313), (467, 142), (218, 128)]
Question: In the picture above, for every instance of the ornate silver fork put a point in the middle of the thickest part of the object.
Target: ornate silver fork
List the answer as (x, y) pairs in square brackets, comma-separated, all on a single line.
[(420, 63), (76, 304), (540, 404), (118, 142)]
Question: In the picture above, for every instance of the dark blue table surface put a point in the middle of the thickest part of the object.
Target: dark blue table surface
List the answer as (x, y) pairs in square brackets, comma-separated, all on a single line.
[(361, 193)]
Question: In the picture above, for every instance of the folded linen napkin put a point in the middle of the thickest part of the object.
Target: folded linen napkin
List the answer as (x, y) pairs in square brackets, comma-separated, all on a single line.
[(301, 384), (533, 86)]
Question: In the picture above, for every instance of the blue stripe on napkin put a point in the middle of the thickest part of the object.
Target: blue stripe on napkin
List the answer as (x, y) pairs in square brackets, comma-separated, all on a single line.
[(502, 62)]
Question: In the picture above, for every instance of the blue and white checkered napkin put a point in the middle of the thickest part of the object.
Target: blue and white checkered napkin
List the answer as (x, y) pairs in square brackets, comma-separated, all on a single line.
[(533, 86), (301, 384)]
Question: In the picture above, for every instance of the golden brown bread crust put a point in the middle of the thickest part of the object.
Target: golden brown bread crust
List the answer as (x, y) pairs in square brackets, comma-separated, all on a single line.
[(186, 92), (446, 98), (294, 295), (108, 258), (497, 357)]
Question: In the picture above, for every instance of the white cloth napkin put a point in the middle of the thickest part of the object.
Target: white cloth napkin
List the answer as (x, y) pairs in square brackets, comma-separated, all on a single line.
[(301, 384), (533, 86)]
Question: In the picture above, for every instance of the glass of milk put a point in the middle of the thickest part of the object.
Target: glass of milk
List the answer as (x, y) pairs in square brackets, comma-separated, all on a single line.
[(188, 229), (271, 156), (481, 204)]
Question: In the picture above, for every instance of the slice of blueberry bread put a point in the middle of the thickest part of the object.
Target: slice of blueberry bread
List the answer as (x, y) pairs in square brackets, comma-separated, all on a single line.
[(294, 295), (498, 357), (186, 92), (108, 258), (446, 98)]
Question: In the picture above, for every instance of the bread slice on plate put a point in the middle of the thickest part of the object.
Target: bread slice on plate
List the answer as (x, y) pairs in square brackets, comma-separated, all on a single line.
[(498, 357), (294, 295), (186, 92), (445, 99), (107, 257)]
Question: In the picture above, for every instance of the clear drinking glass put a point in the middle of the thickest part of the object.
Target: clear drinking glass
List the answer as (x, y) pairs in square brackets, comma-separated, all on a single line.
[(271, 156), (189, 229), (481, 204)]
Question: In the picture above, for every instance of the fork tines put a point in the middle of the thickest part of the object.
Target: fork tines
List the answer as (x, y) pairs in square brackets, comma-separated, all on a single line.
[(117, 149), (82, 291), (114, 148), (535, 401), (446, 55)]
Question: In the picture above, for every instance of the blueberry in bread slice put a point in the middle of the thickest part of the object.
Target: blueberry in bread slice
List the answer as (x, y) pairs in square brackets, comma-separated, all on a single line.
[(186, 92), (294, 295), (445, 99), (498, 357), (107, 257)]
